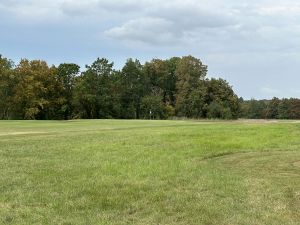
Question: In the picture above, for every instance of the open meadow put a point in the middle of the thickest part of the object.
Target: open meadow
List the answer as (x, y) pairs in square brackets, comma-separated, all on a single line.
[(150, 172)]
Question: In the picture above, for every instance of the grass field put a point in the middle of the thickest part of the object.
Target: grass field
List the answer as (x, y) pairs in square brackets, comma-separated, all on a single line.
[(149, 172)]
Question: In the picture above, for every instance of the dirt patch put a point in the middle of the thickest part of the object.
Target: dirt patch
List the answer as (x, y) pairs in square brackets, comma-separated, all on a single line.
[(20, 133), (297, 164), (257, 121)]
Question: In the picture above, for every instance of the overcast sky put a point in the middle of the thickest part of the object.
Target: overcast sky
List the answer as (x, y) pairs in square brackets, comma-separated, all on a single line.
[(255, 45)]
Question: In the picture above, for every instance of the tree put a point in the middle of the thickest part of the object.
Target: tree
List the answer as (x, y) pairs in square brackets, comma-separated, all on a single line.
[(152, 107), (94, 92), (190, 72), (284, 109), (221, 98), (294, 109), (35, 91), (7, 82), (135, 86), (272, 109), (172, 64), (256, 109), (157, 71), (67, 73), (167, 88)]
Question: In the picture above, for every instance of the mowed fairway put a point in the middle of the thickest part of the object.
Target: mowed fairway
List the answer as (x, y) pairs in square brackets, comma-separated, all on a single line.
[(149, 172)]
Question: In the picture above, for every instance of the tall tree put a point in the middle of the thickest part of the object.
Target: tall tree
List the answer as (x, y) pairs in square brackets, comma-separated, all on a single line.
[(7, 82), (190, 72), (135, 86), (172, 80), (35, 91), (67, 73), (158, 73), (284, 109), (272, 109), (93, 93), (152, 107), (221, 100), (294, 109)]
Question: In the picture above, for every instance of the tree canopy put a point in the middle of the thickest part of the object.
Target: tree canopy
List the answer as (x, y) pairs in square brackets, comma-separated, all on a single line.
[(158, 89)]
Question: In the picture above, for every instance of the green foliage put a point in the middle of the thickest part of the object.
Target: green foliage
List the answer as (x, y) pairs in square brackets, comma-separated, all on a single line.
[(95, 91), (222, 100), (67, 73), (7, 82), (216, 110), (175, 87), (37, 90), (271, 109), (134, 86), (190, 72), (152, 107), (283, 109), (161, 78), (294, 109)]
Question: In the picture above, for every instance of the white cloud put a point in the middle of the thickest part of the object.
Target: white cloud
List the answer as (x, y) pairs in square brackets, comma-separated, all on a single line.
[(227, 25), (287, 9), (146, 30), (170, 22)]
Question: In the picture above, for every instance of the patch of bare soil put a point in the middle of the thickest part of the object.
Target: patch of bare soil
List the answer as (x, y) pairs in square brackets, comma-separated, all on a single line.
[(297, 164), (258, 121), (20, 133)]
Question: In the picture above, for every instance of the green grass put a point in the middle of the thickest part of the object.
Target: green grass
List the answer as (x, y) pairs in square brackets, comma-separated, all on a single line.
[(149, 172)]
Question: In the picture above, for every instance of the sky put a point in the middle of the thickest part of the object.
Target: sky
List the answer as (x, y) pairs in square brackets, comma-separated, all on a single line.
[(254, 45)]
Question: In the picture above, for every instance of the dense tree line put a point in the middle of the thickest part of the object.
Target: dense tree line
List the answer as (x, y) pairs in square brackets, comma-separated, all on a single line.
[(271, 109), (159, 89)]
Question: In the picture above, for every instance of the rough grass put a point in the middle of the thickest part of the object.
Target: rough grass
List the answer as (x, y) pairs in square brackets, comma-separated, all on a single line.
[(149, 172)]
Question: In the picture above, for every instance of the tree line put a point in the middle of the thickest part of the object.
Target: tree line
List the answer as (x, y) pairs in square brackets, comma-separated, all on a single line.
[(270, 109), (158, 89)]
